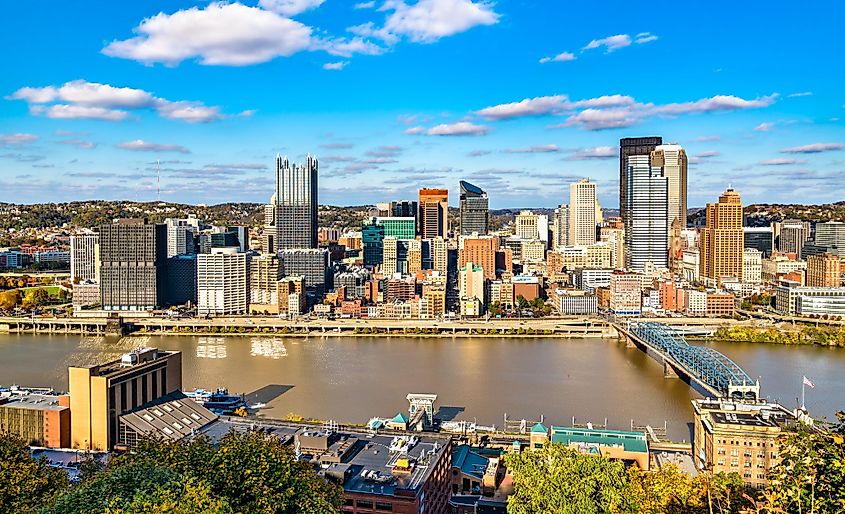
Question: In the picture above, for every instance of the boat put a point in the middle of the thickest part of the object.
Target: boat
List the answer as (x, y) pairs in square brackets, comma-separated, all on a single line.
[(219, 401), (259, 405)]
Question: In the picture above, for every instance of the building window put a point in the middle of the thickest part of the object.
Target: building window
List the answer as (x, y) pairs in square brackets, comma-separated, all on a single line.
[(384, 506), (364, 504)]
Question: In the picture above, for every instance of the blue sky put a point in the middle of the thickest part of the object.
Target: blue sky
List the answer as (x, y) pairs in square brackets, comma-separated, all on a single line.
[(518, 97)]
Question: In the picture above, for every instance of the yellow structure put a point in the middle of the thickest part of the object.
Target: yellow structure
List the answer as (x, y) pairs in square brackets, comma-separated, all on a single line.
[(100, 394), (722, 240)]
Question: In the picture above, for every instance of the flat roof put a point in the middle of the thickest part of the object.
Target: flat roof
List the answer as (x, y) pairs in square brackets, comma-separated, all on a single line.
[(630, 441), (32, 401)]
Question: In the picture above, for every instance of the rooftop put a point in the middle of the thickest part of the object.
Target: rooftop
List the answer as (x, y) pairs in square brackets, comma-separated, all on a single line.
[(33, 401), (630, 441), (174, 416)]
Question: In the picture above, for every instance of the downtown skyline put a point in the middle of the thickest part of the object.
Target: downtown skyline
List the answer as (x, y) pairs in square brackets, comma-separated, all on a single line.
[(520, 99)]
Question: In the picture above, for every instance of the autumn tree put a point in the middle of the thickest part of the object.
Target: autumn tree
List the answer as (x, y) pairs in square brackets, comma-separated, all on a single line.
[(26, 483), (9, 299)]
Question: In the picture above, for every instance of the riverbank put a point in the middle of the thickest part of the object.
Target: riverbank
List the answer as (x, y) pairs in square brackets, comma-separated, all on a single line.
[(785, 334)]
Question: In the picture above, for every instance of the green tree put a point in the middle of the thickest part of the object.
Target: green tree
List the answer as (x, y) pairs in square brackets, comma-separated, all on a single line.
[(495, 309), (26, 483), (668, 490), (521, 302), (35, 298), (560, 480), (9, 299)]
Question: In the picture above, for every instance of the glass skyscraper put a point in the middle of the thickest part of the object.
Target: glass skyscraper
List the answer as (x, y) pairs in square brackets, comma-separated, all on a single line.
[(296, 204), (475, 212)]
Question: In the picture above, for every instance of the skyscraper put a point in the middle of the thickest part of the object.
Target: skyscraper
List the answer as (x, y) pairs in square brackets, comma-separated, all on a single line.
[(434, 213), (296, 203), (480, 250), (722, 239), (84, 258), (791, 235), (132, 260), (582, 213), (180, 235), (560, 227), (646, 214), (222, 286), (629, 146), (672, 161), (830, 234), (474, 209)]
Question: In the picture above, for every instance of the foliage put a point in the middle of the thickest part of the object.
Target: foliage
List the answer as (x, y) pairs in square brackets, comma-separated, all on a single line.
[(35, 297), (670, 491), (9, 299), (25, 483), (822, 335)]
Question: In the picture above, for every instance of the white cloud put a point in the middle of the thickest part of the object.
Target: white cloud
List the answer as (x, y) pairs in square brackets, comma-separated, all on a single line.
[(596, 153), (414, 131), (610, 43), (219, 34), (461, 128), (701, 157), (600, 119), (797, 95), (604, 101), (706, 139), (429, 20), (539, 106), (780, 161), (290, 7), (764, 127), (344, 47), (80, 99), (534, 149), (716, 103), (139, 145), (335, 65), (79, 143), (644, 37), (365, 5), (18, 139), (561, 57), (815, 148)]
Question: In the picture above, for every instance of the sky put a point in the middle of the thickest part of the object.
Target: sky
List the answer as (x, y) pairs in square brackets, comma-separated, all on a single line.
[(191, 101)]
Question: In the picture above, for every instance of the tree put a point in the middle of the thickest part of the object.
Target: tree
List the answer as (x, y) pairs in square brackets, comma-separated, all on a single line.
[(26, 483), (668, 490), (9, 299), (35, 298), (495, 309), (521, 302), (557, 479)]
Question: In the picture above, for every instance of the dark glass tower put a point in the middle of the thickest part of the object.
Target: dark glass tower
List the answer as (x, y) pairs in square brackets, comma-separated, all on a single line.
[(296, 204), (629, 146), (475, 213)]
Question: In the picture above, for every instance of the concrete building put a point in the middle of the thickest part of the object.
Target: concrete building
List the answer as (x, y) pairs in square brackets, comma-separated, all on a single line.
[(794, 299), (740, 437), (614, 236), (575, 302), (560, 226), (439, 255), (582, 213), (532, 250), (628, 147), (752, 266), (824, 270), (471, 282), (291, 293), (778, 266), (296, 203), (590, 279), (222, 282), (100, 394), (433, 217), (132, 260), (722, 240), (85, 257), (311, 264), (264, 274), (85, 294), (672, 162), (474, 209), (395, 256), (180, 235), (830, 234), (759, 238), (526, 225), (481, 250), (38, 419), (625, 294), (646, 215), (791, 235)]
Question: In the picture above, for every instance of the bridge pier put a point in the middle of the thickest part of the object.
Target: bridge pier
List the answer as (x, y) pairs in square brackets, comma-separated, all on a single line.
[(668, 370)]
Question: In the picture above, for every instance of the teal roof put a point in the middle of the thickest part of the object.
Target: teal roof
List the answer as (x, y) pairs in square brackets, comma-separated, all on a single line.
[(399, 418), (468, 461), (539, 428), (630, 441)]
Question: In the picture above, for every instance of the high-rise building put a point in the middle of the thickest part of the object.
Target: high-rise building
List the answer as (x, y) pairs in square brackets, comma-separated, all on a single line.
[(439, 255), (830, 234), (759, 238), (824, 270), (471, 282), (791, 235), (433, 215), (582, 213), (752, 266), (395, 256), (614, 236), (296, 203), (180, 287), (132, 260), (480, 250), (372, 239), (403, 209), (722, 239), (526, 225), (264, 275), (475, 214), (398, 227), (672, 161), (84, 257), (268, 236), (222, 286), (560, 227), (180, 235), (312, 264), (645, 214), (628, 147)]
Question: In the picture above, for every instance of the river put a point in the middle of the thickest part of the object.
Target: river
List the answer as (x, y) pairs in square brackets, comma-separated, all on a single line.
[(351, 379)]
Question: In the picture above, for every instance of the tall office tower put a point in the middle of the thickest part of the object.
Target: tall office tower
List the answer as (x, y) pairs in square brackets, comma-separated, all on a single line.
[(722, 239), (645, 220), (759, 238), (560, 227), (403, 209), (268, 239), (480, 250), (433, 216), (824, 270), (372, 239), (614, 236), (264, 275), (791, 235), (296, 203), (222, 286), (398, 227), (831, 234), (180, 235), (582, 213), (242, 234), (310, 263), (543, 228), (84, 258), (415, 255), (180, 287), (395, 257), (628, 147), (752, 266), (471, 282), (440, 255), (672, 161), (526, 225), (475, 214), (132, 258)]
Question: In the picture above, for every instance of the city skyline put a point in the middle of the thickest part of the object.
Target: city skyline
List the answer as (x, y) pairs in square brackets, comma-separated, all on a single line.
[(520, 100)]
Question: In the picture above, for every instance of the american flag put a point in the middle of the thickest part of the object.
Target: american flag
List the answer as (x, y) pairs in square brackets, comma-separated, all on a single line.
[(808, 382)]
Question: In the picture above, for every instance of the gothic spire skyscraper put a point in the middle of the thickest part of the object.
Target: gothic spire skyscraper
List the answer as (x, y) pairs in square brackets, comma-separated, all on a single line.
[(296, 203)]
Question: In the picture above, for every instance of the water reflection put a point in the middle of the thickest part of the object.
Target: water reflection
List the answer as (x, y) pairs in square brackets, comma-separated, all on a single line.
[(267, 347), (211, 348)]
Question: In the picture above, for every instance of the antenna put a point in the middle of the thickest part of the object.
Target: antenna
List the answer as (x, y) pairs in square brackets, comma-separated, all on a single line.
[(158, 180)]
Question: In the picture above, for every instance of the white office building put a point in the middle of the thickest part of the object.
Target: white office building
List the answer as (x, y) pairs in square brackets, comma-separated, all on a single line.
[(222, 282), (646, 214), (582, 213), (84, 257)]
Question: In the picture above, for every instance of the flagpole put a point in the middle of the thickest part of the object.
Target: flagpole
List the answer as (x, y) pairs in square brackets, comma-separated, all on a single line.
[(803, 387)]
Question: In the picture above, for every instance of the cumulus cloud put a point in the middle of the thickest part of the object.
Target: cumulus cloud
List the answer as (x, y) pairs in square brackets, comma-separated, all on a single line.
[(644, 37), (595, 153), (414, 131), (764, 127), (290, 7), (561, 57), (139, 145), (461, 128), (80, 99), (18, 139), (538, 106), (335, 66), (427, 21), (814, 148), (715, 104), (610, 43), (219, 34), (534, 149)]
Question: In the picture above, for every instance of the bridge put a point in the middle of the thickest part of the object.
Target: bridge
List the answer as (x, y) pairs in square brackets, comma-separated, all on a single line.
[(702, 366)]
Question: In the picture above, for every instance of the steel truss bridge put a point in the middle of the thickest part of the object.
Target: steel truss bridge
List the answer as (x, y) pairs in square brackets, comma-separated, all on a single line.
[(704, 366)]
